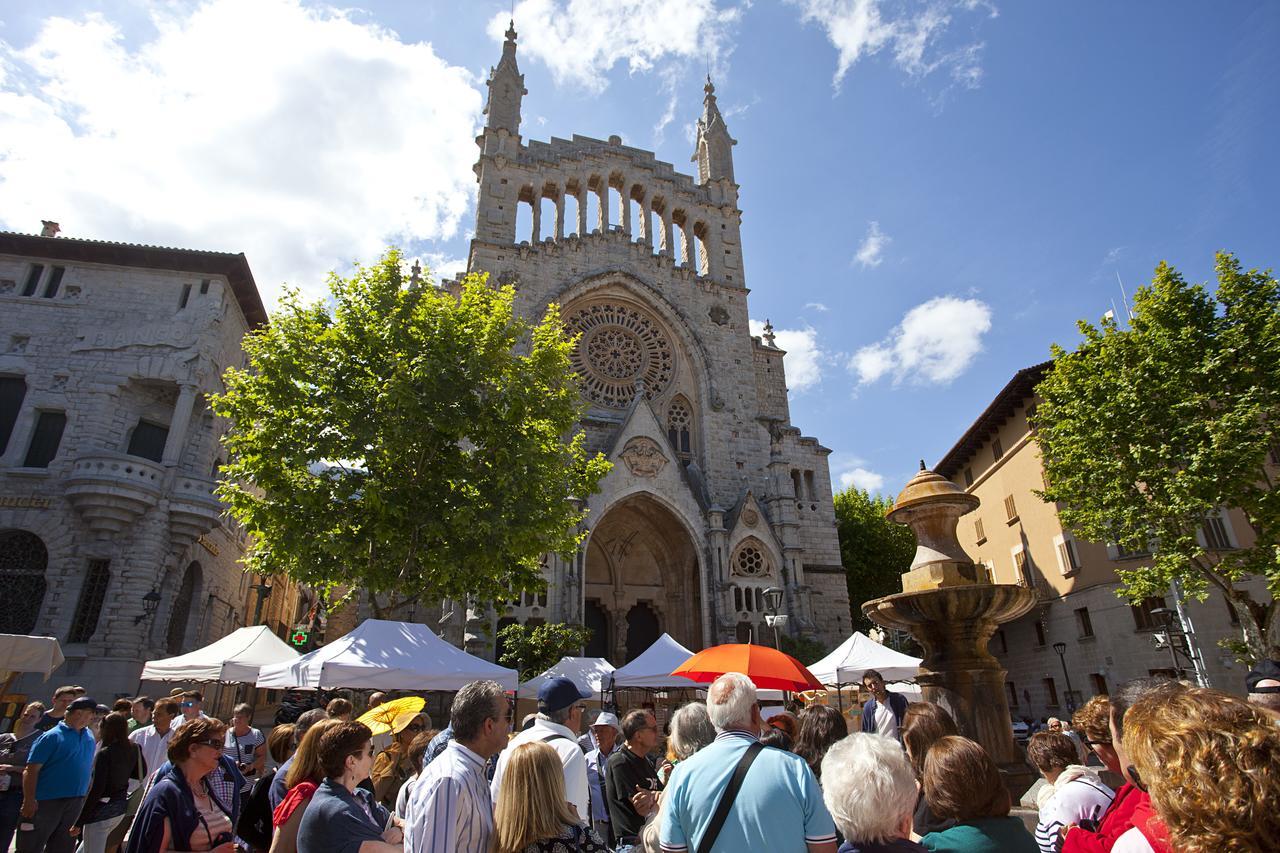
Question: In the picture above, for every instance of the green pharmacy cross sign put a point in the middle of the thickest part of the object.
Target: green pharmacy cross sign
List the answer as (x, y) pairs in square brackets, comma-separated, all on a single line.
[(299, 638)]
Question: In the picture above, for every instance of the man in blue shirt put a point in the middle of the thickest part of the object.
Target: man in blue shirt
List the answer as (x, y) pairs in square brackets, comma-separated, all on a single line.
[(56, 780), (779, 807)]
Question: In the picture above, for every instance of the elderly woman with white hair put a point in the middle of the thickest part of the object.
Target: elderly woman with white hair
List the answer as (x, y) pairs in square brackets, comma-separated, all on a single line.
[(870, 790), (691, 730)]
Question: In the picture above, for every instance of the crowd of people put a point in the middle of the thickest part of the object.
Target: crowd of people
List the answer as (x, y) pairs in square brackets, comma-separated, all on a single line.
[(1192, 770)]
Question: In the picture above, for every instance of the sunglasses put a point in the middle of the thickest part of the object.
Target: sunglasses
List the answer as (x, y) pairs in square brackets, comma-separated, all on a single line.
[(215, 743), (415, 727), (188, 704)]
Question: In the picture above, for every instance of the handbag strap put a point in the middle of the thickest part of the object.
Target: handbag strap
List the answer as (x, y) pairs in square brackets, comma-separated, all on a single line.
[(726, 799)]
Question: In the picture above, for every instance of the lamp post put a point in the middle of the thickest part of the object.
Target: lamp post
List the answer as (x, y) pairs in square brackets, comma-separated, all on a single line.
[(150, 603), (1166, 617), (774, 619), (1061, 649)]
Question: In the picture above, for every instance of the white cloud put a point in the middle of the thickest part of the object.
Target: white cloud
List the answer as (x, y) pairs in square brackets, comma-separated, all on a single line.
[(581, 40), (934, 343), (860, 28), (873, 245), (816, 306), (804, 359), (314, 141), (862, 479)]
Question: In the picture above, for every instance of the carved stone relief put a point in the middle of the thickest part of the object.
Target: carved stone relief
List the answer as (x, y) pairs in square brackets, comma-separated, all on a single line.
[(643, 457)]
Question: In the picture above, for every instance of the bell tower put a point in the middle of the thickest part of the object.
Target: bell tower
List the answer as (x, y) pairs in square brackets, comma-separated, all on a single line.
[(506, 89), (714, 152)]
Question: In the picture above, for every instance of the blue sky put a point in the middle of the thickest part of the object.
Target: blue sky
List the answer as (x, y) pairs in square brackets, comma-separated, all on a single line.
[(932, 192)]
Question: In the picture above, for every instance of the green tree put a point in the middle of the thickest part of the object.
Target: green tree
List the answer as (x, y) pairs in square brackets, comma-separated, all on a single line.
[(402, 441), (875, 551), (1149, 432), (534, 650)]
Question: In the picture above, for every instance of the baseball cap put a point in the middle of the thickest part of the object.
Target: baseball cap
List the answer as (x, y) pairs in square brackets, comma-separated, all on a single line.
[(606, 718), (84, 703), (1265, 670), (559, 693)]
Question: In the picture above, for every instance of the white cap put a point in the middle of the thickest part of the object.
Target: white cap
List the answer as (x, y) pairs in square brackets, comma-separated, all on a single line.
[(606, 718)]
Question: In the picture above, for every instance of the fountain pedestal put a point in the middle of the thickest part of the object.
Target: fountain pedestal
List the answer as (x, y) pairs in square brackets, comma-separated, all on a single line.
[(952, 615)]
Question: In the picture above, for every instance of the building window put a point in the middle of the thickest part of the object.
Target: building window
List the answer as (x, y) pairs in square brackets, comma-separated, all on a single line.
[(1123, 553), (1215, 534), (1010, 509), (737, 599), (810, 490), (1022, 563), (986, 571), (997, 449), (23, 560), (1040, 639), (13, 390), (1143, 618), (45, 439), (1013, 694), (968, 477), (751, 560), (679, 425), (55, 279), (1068, 560), (978, 531), (1099, 682), (1031, 416), (1051, 690), (92, 595), (33, 280), (795, 483), (1083, 624), (204, 286), (148, 440)]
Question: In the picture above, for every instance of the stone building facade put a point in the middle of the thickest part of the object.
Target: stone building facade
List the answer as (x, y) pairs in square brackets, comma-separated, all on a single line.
[(108, 452), (1019, 539), (714, 497)]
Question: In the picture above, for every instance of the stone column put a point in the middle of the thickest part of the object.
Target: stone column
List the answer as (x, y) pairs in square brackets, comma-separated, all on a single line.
[(667, 244), (176, 440), (536, 236), (624, 201), (582, 211), (559, 217), (602, 208), (646, 220)]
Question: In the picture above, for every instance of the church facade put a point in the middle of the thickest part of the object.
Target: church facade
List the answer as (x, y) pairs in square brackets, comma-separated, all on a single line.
[(715, 497)]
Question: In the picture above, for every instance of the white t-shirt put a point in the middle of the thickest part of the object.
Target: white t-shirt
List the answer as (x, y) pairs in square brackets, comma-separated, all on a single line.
[(886, 722), (1132, 841), (1073, 801), (155, 747)]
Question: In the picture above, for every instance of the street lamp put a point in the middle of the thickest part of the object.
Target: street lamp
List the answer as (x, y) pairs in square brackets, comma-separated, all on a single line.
[(1061, 649), (774, 619), (150, 603), (1166, 617)]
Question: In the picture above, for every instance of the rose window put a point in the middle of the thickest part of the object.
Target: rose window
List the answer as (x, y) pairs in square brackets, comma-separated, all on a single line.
[(750, 562), (620, 349)]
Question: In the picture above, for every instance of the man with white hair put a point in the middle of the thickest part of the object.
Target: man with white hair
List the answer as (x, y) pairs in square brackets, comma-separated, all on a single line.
[(1263, 685), (870, 790), (736, 794)]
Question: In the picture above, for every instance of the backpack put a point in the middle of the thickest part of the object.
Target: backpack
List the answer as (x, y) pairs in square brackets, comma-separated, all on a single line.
[(255, 816)]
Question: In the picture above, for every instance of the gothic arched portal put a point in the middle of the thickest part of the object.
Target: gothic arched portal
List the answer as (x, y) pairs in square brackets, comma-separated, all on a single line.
[(640, 555)]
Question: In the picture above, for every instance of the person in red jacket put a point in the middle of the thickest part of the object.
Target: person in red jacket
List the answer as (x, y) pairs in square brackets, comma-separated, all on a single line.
[(1131, 800)]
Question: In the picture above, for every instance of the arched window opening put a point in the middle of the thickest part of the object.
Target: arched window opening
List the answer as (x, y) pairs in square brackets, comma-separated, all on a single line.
[(23, 560), (524, 221), (548, 208), (570, 214), (751, 560), (679, 427), (597, 216), (180, 613), (700, 246), (639, 228), (658, 232), (680, 239), (642, 630), (92, 596), (737, 599), (615, 209), (596, 620)]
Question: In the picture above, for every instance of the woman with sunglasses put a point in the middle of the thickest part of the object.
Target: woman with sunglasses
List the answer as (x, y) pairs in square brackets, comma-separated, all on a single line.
[(342, 817), (393, 766), (181, 811), (14, 747)]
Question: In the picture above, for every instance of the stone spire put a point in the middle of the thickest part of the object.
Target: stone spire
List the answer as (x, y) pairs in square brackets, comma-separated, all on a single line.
[(506, 88), (714, 151)]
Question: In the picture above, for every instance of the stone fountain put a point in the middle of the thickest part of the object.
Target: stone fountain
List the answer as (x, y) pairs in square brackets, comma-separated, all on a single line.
[(948, 608)]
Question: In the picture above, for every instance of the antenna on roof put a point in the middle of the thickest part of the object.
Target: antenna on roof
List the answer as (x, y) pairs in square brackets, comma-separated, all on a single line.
[(1125, 297)]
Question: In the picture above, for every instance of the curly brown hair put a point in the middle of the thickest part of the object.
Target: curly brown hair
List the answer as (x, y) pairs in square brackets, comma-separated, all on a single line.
[(1211, 763), (1091, 720)]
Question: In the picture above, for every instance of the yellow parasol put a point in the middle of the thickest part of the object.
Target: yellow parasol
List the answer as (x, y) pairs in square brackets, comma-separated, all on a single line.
[(380, 719)]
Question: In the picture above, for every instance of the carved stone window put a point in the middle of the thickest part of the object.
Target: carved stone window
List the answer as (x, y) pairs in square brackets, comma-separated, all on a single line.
[(92, 596), (619, 348), (181, 612), (23, 560), (679, 424), (751, 561)]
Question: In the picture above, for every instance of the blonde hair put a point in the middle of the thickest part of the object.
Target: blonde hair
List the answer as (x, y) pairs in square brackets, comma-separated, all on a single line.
[(306, 761), (531, 803), (1211, 763)]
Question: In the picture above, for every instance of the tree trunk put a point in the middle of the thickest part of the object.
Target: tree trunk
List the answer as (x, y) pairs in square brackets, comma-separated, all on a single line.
[(1259, 624)]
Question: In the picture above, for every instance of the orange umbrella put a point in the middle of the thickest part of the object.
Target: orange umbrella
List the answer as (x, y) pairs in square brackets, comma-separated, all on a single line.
[(767, 668)]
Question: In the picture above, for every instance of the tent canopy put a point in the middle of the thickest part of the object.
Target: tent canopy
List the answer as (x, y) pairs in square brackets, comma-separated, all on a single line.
[(22, 653), (237, 657), (384, 655), (652, 668), (859, 653), (590, 673)]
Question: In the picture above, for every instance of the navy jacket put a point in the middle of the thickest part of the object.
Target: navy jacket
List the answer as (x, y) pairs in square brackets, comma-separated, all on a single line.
[(170, 797), (897, 704)]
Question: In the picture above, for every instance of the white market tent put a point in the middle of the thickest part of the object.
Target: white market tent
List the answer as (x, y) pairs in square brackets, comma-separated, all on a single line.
[(859, 653), (22, 653), (653, 667), (384, 655), (589, 673), (237, 657)]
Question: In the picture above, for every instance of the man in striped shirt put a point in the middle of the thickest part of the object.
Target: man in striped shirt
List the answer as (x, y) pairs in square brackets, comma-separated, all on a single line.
[(449, 808)]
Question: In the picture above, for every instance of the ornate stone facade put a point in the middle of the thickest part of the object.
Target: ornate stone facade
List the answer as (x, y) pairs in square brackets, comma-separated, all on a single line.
[(714, 496), (108, 452)]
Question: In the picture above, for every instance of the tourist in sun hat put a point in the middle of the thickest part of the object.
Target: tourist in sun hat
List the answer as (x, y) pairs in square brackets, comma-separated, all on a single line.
[(558, 723), (604, 734), (393, 767)]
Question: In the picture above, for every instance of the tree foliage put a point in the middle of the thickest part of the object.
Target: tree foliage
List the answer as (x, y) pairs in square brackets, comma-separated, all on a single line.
[(534, 650), (400, 440), (1148, 432), (874, 550)]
